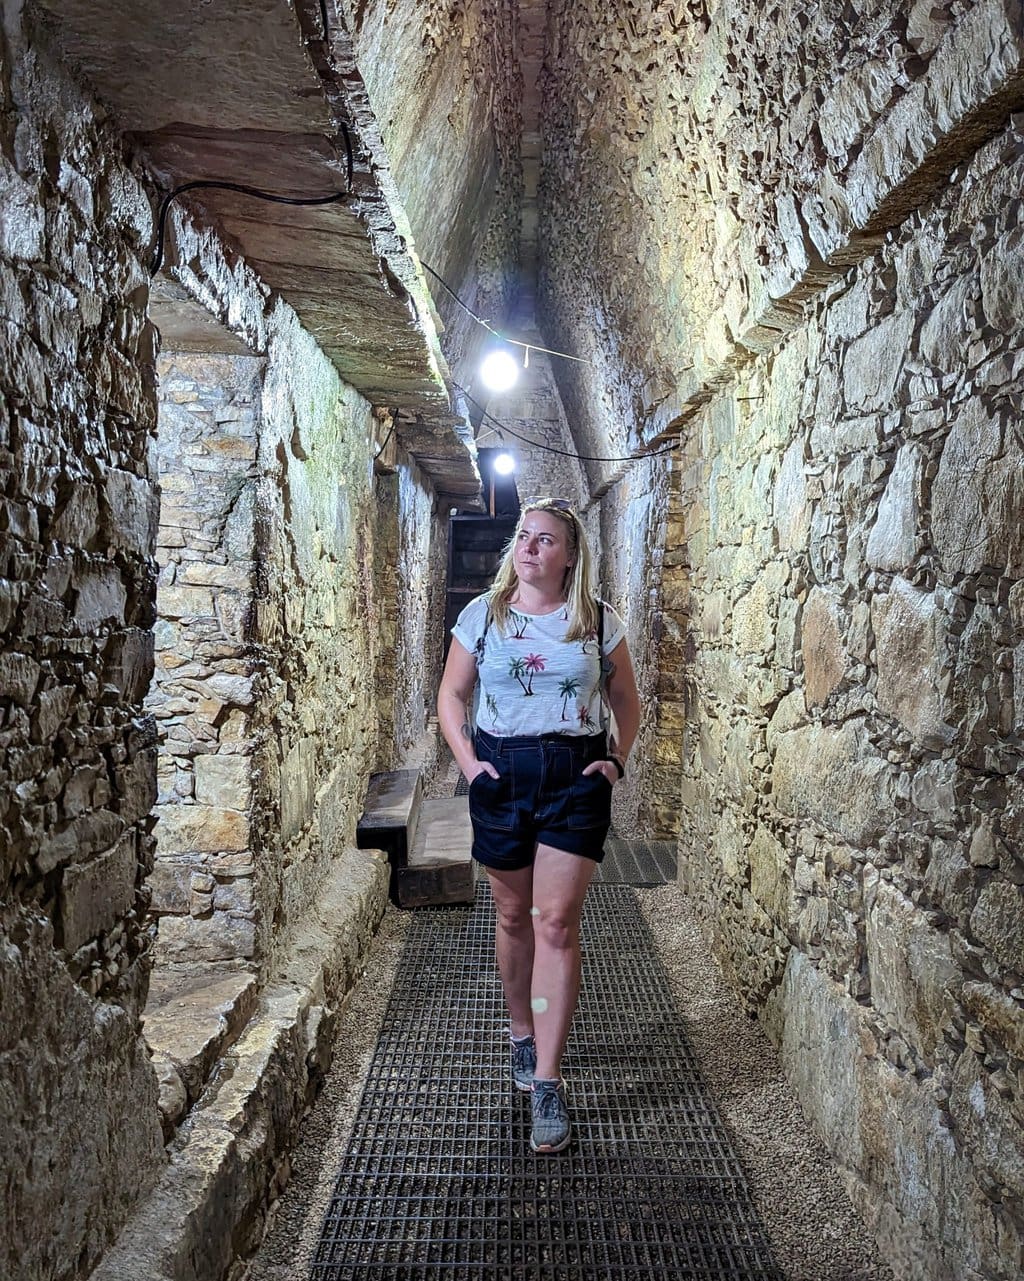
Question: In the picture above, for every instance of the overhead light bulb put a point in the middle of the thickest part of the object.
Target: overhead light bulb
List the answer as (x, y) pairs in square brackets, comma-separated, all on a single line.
[(504, 464), (499, 370)]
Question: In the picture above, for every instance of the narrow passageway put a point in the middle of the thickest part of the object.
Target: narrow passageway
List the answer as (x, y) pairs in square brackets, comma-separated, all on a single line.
[(758, 270), (690, 1158)]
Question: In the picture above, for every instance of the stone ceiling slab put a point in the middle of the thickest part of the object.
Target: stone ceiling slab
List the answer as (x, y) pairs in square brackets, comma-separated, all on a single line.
[(251, 93)]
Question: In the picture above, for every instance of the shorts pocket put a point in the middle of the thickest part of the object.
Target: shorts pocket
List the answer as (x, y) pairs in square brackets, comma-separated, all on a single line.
[(590, 802), (491, 800)]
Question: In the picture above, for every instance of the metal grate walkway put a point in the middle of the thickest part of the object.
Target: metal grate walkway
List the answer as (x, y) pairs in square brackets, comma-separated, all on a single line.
[(438, 1180), (637, 862)]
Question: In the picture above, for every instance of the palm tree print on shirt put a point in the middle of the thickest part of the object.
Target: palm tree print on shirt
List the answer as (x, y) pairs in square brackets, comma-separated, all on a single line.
[(568, 688), (584, 717), (534, 663), (492, 709), (516, 668), (519, 624)]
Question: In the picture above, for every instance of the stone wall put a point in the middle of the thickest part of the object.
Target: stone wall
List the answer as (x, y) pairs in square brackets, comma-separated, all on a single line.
[(707, 167), (629, 523), (328, 604), (268, 649), (202, 695), (78, 1114), (738, 198), (853, 760), (442, 77)]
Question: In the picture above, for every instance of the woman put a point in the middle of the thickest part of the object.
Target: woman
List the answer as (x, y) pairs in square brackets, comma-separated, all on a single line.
[(541, 773)]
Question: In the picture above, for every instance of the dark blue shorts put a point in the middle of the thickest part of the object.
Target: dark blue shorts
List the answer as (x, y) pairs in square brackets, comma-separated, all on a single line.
[(542, 797)]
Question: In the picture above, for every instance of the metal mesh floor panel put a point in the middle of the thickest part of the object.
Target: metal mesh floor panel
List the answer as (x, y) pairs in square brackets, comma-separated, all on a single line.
[(438, 1179), (637, 862)]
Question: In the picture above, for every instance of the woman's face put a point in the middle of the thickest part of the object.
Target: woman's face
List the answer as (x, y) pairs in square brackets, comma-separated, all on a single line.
[(543, 550)]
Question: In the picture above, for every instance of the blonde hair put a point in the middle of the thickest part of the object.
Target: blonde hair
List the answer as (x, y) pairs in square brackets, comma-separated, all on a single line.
[(577, 585)]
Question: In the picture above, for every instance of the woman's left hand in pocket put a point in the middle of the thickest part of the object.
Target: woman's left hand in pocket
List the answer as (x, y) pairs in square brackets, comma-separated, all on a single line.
[(603, 767)]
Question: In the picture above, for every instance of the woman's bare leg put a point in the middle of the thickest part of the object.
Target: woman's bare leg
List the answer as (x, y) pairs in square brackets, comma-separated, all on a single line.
[(513, 943), (560, 883)]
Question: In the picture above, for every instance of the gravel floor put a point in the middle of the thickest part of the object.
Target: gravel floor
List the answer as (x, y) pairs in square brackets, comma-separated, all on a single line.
[(814, 1231)]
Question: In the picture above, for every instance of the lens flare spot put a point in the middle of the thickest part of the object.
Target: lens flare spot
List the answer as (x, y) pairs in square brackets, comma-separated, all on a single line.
[(539, 1004), (535, 911)]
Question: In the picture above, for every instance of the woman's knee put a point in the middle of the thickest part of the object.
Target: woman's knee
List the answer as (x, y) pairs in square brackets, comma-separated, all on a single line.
[(512, 909), (557, 926), (514, 918)]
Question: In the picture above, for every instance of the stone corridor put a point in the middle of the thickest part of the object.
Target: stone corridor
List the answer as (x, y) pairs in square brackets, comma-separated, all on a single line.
[(760, 268), (804, 1224)]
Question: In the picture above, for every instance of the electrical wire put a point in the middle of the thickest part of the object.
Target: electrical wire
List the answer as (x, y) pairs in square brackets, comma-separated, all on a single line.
[(514, 342), (219, 185), (565, 453), (384, 443)]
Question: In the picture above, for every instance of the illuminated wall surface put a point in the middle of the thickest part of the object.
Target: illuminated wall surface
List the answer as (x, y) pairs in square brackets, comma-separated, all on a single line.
[(782, 242)]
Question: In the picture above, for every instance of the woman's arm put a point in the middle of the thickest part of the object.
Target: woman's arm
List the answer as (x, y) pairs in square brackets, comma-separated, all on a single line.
[(453, 703), (624, 700)]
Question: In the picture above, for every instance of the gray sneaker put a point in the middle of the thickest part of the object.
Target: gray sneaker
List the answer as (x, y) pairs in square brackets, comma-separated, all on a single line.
[(524, 1062), (551, 1129)]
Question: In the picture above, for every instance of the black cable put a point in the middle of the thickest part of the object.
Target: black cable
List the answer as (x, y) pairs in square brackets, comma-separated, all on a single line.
[(515, 342), (566, 453), (384, 444), (165, 204), (350, 164)]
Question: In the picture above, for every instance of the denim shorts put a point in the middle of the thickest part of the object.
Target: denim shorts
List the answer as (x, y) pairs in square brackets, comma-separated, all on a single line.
[(541, 797)]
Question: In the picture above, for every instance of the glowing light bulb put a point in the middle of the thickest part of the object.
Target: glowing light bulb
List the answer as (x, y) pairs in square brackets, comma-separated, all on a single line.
[(504, 464), (499, 371)]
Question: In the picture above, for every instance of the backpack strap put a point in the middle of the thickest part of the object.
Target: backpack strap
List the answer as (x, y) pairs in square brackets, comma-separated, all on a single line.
[(481, 640), (607, 667)]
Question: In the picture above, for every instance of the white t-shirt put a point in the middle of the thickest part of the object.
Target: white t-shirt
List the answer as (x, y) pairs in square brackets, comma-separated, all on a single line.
[(532, 680)]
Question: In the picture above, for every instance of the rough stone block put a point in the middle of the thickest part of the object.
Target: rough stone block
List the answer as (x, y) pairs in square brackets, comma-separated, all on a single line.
[(948, 326), (220, 937), (100, 597), (914, 979), (949, 881), (95, 895), (169, 884), (77, 520), (193, 1015), (835, 778), (909, 636), (185, 602), (205, 828), (894, 540), (790, 503), (770, 875), (19, 678), (1002, 284), (753, 627), (998, 923), (999, 1015), (977, 497), (987, 1127), (298, 788), (129, 664), (200, 573), (131, 512), (821, 645), (873, 363), (224, 781)]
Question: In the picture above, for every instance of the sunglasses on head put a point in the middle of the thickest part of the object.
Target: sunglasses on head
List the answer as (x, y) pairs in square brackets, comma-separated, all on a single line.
[(552, 504)]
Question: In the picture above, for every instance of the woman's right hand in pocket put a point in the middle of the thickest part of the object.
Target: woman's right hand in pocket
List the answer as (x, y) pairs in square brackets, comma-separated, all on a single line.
[(485, 767)]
